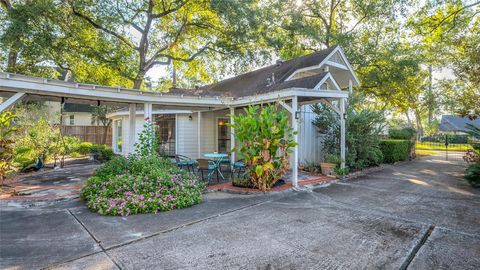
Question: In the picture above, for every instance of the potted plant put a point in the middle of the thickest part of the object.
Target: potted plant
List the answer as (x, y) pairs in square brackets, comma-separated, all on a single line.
[(329, 164)]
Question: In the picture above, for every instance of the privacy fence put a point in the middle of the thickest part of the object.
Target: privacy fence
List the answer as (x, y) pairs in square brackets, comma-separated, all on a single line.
[(93, 134)]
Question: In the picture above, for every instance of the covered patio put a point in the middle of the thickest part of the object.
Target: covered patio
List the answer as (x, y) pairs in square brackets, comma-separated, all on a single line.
[(192, 122), (16, 87)]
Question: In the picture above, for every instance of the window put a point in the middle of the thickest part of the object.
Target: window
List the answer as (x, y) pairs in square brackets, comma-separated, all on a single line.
[(165, 132), (72, 120), (223, 135), (118, 126)]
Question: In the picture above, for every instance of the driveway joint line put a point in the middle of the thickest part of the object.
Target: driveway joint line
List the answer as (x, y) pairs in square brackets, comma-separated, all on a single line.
[(417, 247), (95, 239)]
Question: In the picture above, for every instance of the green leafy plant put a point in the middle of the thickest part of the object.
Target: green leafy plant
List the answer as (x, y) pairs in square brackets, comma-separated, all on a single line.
[(140, 185), (6, 144), (364, 127), (472, 174), (264, 141), (332, 158), (85, 148), (341, 171), (401, 133), (147, 144), (396, 150)]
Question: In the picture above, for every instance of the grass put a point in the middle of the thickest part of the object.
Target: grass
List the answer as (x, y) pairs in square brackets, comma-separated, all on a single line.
[(441, 146), (421, 152)]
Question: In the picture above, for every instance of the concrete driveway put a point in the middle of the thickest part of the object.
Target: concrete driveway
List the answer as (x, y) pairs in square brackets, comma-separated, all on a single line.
[(417, 215)]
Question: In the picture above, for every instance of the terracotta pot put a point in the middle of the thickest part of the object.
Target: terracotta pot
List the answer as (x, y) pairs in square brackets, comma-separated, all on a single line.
[(327, 168)]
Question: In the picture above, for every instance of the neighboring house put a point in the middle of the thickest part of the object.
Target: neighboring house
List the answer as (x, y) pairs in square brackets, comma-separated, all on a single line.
[(192, 122), (457, 124), (187, 132)]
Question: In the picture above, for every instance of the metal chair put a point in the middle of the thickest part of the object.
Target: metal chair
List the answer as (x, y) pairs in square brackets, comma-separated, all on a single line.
[(184, 161), (207, 165), (239, 166)]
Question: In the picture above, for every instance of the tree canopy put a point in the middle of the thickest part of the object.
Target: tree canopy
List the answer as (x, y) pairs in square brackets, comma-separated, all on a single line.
[(395, 46)]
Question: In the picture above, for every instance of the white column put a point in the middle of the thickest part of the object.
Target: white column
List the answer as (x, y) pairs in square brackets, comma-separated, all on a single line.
[(132, 113), (147, 111), (114, 136), (232, 137), (342, 132), (350, 86), (147, 114), (199, 133), (295, 137)]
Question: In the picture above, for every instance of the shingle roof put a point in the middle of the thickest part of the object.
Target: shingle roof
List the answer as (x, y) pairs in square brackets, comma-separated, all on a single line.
[(257, 81), (457, 123)]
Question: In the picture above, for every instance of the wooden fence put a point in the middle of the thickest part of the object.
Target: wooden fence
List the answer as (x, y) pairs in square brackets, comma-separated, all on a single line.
[(93, 134)]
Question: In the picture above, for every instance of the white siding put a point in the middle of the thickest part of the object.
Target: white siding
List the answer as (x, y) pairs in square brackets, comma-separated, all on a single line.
[(187, 135), (310, 141)]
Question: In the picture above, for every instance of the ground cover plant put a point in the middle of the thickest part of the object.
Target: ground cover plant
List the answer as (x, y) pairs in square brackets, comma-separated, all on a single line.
[(264, 140), (142, 183)]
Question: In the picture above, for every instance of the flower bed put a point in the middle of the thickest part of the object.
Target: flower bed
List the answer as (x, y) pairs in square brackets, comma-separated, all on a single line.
[(145, 191)]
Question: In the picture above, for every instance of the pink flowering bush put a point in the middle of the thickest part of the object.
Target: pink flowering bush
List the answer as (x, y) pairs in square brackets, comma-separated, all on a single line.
[(145, 185)]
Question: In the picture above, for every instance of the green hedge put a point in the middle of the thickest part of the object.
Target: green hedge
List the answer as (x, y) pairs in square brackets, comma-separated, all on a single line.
[(401, 134), (395, 150)]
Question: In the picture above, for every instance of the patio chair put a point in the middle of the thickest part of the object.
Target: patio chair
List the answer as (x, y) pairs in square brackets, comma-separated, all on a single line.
[(225, 165), (238, 167), (184, 161), (207, 165)]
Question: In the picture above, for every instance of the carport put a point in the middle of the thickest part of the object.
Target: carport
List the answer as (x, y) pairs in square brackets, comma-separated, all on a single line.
[(14, 87)]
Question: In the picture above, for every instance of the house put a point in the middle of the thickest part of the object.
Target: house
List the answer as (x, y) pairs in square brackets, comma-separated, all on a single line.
[(178, 128), (192, 122), (457, 124)]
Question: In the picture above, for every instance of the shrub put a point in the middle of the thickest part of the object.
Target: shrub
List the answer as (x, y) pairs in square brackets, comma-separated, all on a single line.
[(6, 144), (116, 166), (85, 148), (401, 133), (144, 185), (106, 154), (472, 174), (140, 184), (242, 181), (264, 141), (132, 194), (395, 150), (363, 125)]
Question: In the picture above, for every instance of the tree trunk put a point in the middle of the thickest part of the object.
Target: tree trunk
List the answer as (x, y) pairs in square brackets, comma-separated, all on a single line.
[(409, 121), (12, 60), (418, 120)]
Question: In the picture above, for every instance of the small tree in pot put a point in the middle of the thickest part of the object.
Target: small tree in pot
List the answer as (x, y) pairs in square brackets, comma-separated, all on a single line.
[(264, 140)]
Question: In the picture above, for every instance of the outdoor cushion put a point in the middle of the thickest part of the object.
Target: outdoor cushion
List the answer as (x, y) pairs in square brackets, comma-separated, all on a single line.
[(239, 164)]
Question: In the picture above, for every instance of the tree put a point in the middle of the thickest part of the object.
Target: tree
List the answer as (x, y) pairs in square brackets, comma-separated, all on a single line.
[(158, 33), (449, 33)]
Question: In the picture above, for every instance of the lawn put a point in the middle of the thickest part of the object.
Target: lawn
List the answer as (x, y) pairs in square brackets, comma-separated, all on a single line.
[(421, 152), (441, 146)]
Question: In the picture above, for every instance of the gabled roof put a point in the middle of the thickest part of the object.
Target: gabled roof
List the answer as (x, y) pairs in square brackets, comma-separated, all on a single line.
[(457, 123), (266, 79)]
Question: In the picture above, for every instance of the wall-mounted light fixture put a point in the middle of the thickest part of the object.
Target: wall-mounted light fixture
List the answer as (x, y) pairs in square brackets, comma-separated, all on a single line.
[(190, 118), (297, 115), (344, 116)]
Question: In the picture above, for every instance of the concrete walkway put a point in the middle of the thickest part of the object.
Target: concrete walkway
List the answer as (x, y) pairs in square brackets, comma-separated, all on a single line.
[(416, 215)]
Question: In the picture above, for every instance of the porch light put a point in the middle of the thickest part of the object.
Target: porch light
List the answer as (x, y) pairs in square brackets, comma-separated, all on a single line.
[(297, 115), (345, 116), (190, 118)]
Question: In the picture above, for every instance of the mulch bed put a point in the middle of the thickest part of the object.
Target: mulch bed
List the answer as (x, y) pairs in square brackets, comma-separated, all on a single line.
[(228, 187)]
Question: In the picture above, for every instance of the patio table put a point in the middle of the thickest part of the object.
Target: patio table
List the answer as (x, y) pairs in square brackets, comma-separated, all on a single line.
[(217, 158)]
